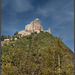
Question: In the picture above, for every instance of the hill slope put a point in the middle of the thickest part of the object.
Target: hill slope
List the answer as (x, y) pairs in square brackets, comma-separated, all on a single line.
[(36, 56)]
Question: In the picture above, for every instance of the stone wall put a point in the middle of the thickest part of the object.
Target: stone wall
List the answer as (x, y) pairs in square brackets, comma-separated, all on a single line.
[(28, 27), (21, 32), (34, 25)]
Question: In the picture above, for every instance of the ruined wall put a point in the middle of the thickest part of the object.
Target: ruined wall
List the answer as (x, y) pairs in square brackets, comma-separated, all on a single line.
[(37, 24), (28, 27), (34, 25), (21, 32)]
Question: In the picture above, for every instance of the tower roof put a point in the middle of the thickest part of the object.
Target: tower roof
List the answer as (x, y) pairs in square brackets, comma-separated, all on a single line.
[(36, 19)]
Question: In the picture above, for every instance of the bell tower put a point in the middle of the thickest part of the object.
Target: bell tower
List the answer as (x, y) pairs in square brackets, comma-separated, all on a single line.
[(49, 30)]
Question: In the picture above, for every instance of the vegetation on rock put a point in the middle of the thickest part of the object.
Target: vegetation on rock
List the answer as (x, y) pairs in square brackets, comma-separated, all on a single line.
[(38, 56)]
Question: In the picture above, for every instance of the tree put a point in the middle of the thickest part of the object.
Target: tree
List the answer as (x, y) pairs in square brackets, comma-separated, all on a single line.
[(2, 38), (35, 32), (9, 36), (16, 33), (60, 37)]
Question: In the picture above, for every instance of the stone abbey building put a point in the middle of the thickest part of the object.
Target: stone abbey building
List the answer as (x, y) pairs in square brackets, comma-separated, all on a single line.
[(34, 26)]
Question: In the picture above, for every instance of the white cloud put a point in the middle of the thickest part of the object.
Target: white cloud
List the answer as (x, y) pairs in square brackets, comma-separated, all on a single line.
[(61, 15), (18, 5), (21, 5), (57, 10)]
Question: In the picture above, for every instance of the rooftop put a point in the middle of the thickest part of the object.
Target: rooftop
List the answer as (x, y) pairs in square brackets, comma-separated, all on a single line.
[(36, 19)]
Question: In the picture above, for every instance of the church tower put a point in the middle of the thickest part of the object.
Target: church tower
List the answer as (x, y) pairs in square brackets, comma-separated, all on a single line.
[(37, 25)]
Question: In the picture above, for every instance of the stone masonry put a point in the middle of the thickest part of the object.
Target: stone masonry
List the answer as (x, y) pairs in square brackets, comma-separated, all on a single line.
[(34, 26)]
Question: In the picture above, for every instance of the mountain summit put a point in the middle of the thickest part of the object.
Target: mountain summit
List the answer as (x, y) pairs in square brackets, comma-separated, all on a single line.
[(41, 54)]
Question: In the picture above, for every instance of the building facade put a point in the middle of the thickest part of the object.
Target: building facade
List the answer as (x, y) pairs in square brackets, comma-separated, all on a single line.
[(34, 26)]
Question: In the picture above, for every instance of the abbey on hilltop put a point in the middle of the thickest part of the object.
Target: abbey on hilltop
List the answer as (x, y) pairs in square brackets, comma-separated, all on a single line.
[(34, 26)]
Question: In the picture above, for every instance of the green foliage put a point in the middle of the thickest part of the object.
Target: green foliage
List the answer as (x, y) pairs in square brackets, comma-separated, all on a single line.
[(28, 37), (41, 31), (35, 32), (3, 37), (9, 37), (16, 33), (20, 57)]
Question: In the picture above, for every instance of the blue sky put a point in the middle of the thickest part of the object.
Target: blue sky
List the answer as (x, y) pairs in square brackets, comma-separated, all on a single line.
[(56, 14)]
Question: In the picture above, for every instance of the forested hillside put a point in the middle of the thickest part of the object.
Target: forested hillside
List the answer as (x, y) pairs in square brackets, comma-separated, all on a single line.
[(36, 55)]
